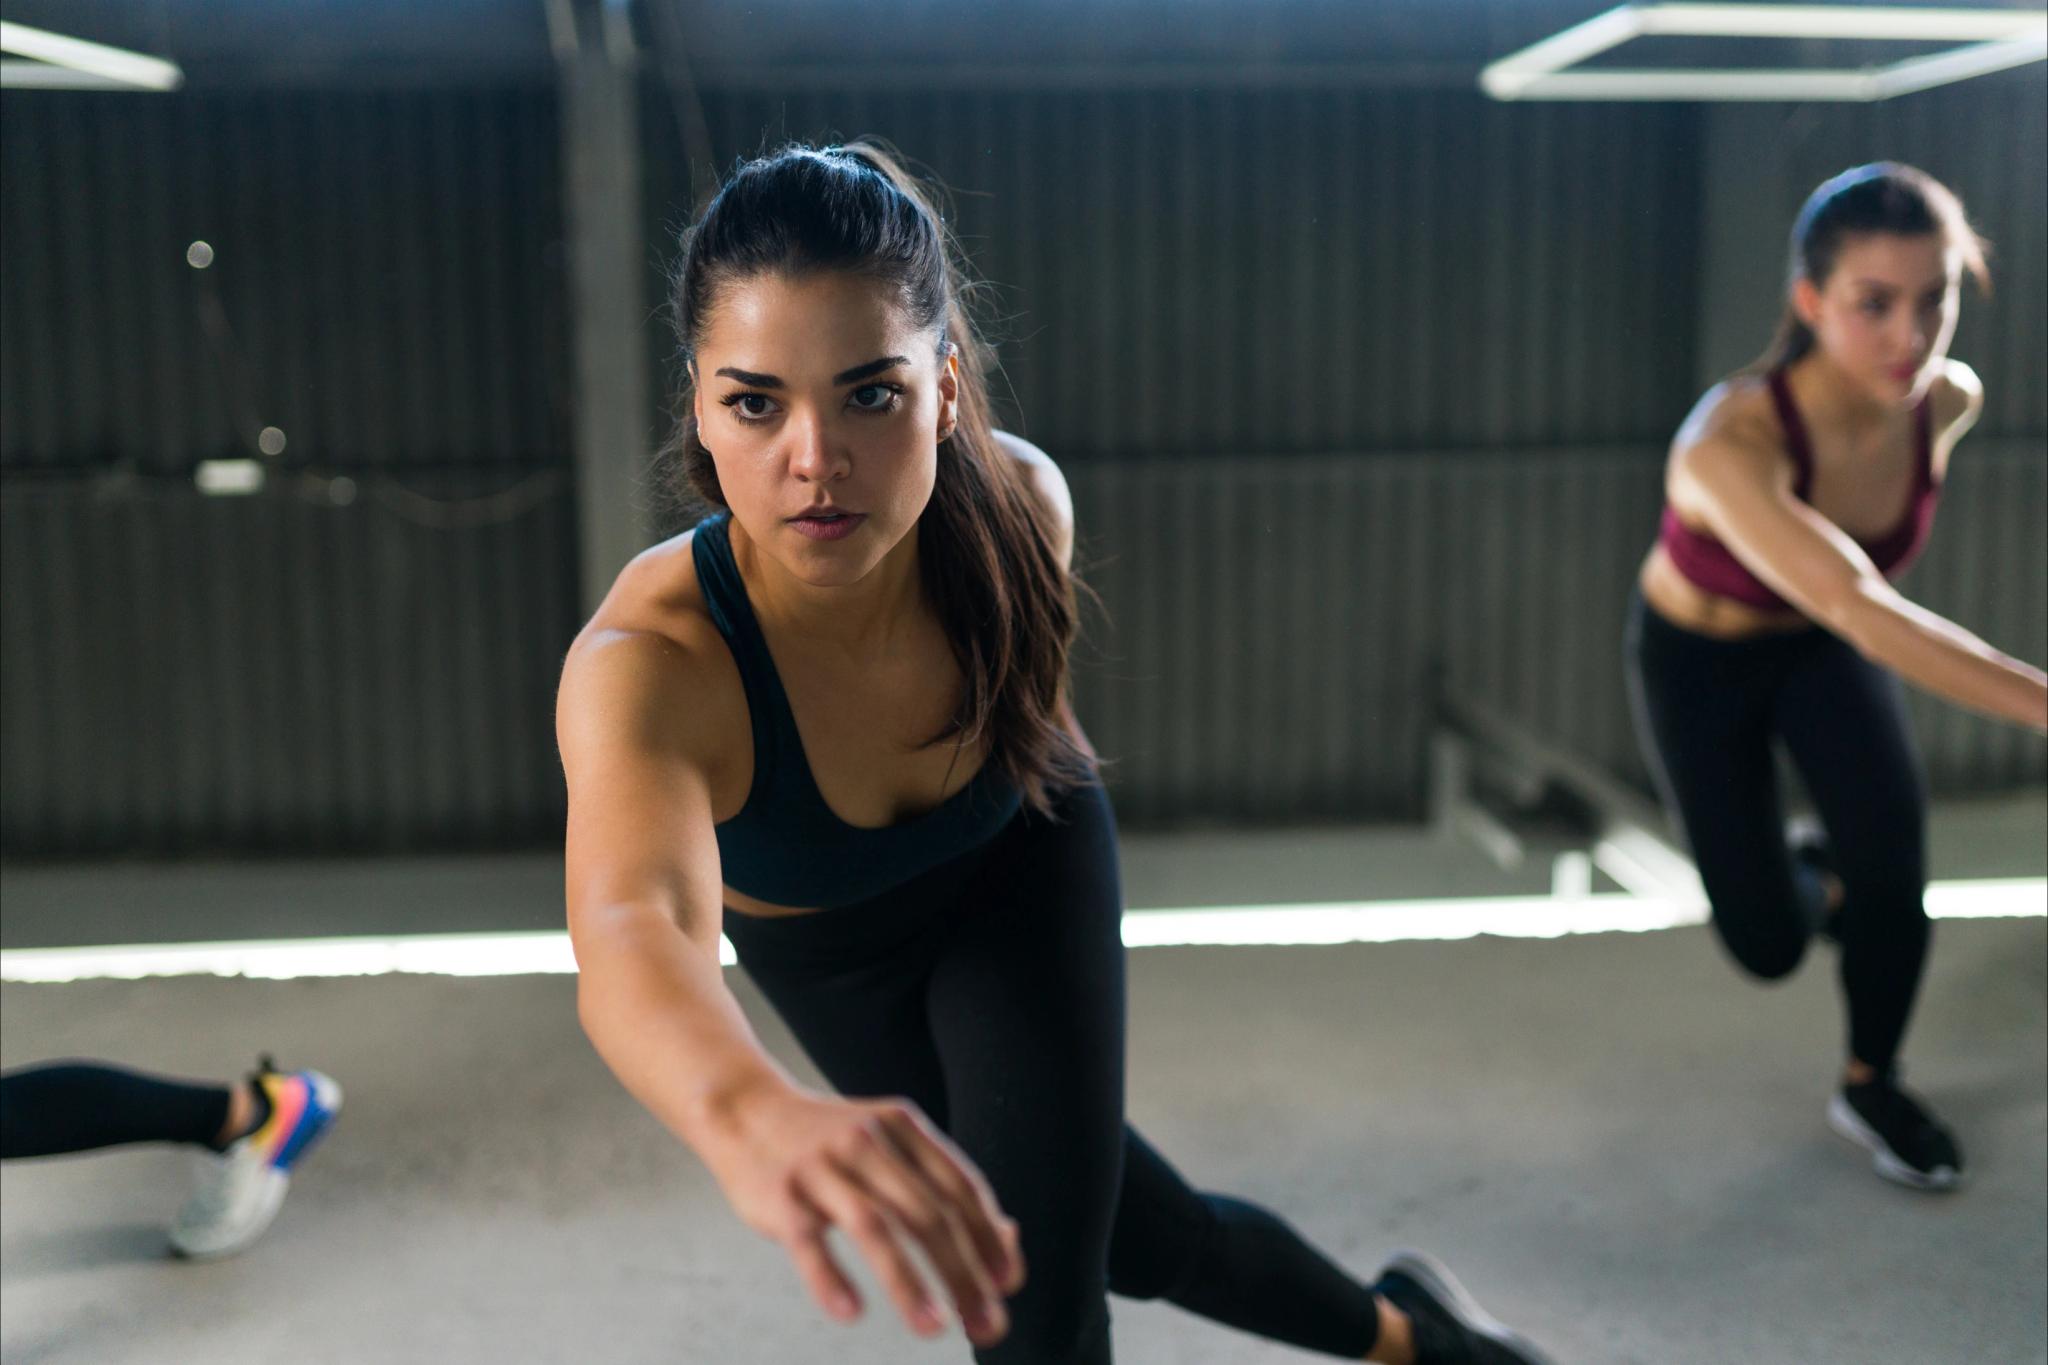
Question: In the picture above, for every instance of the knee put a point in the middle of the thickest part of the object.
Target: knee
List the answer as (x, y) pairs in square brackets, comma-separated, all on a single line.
[(1766, 956), (1148, 1281), (1157, 1267)]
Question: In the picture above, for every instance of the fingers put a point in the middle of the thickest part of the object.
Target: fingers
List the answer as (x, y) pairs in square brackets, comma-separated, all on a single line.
[(913, 1205), (812, 1254), (1013, 1247), (865, 1221), (963, 1188), (821, 1274), (894, 1186)]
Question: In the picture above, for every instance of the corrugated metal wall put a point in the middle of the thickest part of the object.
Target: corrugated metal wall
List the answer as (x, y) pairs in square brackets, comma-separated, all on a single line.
[(387, 267), (191, 673), (364, 655), (1989, 572), (1222, 271), (1489, 312), (1275, 629)]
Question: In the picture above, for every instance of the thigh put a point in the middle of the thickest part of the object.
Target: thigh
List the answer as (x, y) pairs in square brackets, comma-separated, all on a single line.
[(1844, 722), (1703, 711), (864, 1027), (851, 982), (1027, 1007), (1027, 996)]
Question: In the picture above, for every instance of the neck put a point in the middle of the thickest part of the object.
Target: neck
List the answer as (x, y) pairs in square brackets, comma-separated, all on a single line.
[(863, 617), (1830, 398)]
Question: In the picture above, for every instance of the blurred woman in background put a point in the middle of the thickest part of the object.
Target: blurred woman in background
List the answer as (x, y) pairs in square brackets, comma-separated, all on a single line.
[(1796, 491)]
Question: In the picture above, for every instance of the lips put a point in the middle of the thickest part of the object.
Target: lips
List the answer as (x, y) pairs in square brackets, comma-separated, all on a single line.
[(827, 523)]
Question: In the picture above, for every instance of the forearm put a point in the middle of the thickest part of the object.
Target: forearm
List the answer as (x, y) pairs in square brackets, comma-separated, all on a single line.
[(655, 1005), (1941, 657)]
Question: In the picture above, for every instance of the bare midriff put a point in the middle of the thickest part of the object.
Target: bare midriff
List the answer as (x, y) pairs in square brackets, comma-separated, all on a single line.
[(747, 905), (1684, 604)]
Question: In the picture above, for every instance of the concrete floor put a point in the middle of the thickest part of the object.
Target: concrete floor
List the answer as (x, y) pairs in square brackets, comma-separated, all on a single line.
[(1614, 1139)]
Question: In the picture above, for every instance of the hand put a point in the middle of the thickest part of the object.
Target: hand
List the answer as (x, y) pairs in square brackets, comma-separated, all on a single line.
[(794, 1164)]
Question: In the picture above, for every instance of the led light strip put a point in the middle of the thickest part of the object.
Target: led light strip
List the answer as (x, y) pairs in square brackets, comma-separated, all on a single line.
[(548, 953), (1997, 39), (75, 64)]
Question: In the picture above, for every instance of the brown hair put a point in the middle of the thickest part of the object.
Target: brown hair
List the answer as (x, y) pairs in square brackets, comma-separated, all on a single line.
[(1884, 196), (986, 552)]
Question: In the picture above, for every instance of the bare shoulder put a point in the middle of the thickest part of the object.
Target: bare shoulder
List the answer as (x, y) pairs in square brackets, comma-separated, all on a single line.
[(650, 668), (1050, 483), (1045, 474), (1738, 409), (1732, 432), (1957, 398), (1957, 387)]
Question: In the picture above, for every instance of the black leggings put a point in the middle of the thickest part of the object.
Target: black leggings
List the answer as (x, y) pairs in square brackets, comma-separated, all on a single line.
[(1706, 711), (991, 993), (60, 1107)]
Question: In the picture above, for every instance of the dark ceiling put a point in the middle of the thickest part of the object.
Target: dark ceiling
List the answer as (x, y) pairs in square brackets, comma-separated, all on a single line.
[(358, 42)]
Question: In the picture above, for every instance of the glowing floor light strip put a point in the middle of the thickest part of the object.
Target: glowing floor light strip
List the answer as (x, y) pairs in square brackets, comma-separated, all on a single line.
[(548, 953), (1403, 921), (73, 63), (539, 953), (1994, 40)]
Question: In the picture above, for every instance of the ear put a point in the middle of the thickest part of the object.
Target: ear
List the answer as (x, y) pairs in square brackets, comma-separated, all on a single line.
[(949, 391), (1806, 302)]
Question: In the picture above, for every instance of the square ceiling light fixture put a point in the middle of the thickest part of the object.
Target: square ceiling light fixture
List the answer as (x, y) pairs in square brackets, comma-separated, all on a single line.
[(56, 62), (1991, 40)]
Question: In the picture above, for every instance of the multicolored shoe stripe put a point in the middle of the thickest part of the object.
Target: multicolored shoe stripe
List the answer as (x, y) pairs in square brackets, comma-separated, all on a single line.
[(302, 1105)]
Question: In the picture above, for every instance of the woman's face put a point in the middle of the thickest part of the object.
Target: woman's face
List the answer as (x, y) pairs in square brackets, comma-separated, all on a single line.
[(822, 406), (1887, 311)]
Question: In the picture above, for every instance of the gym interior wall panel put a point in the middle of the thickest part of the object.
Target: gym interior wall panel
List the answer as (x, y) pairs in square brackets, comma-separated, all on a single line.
[(385, 285), (1271, 636), (1272, 633), (188, 673), (1293, 271), (1489, 311), (1986, 568), (363, 656), (1281, 661)]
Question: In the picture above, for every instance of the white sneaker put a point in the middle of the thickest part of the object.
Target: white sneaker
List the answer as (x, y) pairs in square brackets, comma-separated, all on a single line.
[(240, 1190)]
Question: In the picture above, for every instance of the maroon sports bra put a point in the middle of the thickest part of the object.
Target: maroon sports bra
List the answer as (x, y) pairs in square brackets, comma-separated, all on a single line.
[(1709, 566)]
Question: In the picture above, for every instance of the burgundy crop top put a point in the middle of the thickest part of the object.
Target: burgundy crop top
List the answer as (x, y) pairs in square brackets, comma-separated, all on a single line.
[(1709, 565)]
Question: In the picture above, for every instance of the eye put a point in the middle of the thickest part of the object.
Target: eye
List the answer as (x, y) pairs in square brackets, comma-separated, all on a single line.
[(750, 407), (1875, 306), (875, 397)]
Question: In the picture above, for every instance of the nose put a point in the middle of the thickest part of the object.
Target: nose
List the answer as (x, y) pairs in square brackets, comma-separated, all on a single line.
[(1913, 334), (813, 456)]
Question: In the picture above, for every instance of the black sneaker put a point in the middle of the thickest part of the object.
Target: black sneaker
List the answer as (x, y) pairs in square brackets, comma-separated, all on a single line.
[(1450, 1326), (1907, 1144)]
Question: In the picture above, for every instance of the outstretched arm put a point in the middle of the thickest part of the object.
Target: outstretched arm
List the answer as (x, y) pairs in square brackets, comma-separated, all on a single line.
[(645, 902), (1746, 496)]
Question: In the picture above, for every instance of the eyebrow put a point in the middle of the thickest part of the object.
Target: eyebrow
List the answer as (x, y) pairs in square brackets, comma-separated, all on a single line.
[(858, 372), (1936, 286)]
